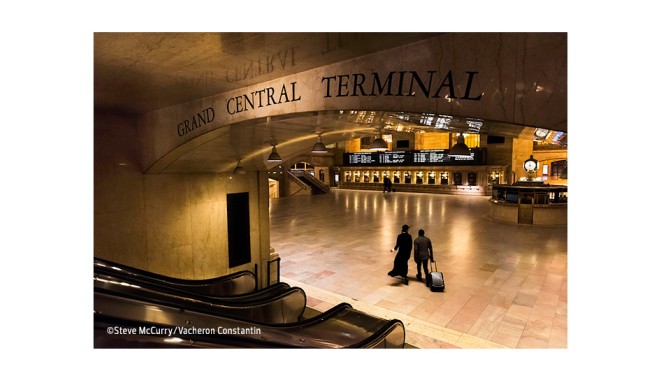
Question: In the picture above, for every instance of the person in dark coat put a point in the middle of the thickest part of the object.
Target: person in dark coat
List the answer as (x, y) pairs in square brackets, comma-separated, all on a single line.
[(423, 252), (404, 245), (387, 185)]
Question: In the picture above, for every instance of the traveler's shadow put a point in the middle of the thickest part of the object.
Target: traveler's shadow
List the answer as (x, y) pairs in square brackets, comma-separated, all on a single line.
[(399, 282)]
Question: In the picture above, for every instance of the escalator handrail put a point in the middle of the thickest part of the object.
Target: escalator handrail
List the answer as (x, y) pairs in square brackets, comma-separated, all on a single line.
[(179, 281), (381, 334), (135, 277), (207, 310)]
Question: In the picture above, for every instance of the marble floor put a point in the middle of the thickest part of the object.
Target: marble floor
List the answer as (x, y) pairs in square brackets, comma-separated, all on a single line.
[(506, 284)]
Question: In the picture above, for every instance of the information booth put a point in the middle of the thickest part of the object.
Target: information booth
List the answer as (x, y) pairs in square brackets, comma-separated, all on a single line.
[(532, 203)]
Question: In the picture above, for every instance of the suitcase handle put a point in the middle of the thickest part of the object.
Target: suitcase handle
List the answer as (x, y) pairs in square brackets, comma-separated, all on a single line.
[(432, 265)]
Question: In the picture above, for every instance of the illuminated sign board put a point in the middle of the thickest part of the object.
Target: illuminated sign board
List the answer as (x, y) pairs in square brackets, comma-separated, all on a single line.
[(413, 158), (359, 158), (430, 157), (394, 157)]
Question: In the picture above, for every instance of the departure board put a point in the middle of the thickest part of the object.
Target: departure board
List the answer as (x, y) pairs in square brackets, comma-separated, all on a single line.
[(393, 157), (413, 158), (355, 158), (430, 157)]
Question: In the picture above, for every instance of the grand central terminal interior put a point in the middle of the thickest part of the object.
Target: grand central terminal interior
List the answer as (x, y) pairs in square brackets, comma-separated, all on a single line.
[(241, 179)]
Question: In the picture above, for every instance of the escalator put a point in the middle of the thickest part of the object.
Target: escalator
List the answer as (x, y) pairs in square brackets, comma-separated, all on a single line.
[(134, 311), (129, 322), (278, 303)]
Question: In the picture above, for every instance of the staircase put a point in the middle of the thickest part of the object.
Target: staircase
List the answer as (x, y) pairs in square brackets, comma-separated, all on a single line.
[(310, 180)]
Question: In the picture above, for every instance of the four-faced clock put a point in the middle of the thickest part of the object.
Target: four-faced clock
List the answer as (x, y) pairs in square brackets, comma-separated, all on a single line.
[(531, 164)]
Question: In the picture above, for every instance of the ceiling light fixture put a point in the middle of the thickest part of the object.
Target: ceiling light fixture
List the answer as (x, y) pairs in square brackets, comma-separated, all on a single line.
[(239, 170), (460, 149), (379, 144), (274, 156), (319, 147)]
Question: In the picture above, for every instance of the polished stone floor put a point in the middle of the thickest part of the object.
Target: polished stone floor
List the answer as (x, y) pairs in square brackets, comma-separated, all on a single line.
[(506, 284)]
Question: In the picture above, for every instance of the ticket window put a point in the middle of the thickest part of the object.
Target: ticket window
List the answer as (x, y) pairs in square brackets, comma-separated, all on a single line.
[(472, 178), (431, 179), (444, 178), (365, 177), (397, 177), (356, 175), (419, 178), (541, 198), (376, 177), (407, 178), (386, 174), (348, 176), (458, 178)]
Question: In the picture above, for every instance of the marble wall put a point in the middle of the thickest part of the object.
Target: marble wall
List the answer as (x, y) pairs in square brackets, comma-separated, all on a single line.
[(431, 141), (521, 150), (171, 224)]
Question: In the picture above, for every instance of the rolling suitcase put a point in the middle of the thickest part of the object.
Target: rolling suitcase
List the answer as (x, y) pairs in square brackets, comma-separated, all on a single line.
[(435, 280)]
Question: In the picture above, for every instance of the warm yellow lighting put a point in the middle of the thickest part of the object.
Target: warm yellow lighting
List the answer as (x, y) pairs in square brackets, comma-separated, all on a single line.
[(173, 340)]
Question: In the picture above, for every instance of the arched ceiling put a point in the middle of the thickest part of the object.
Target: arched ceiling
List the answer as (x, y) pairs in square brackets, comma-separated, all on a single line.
[(135, 73), (140, 72)]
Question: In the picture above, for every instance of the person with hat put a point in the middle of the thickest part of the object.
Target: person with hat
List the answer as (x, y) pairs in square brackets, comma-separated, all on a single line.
[(404, 245)]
